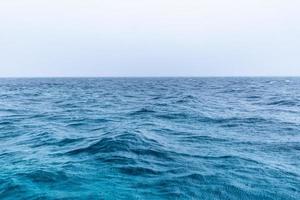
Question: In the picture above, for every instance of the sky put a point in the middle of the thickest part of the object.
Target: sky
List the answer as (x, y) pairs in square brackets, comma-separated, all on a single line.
[(149, 38)]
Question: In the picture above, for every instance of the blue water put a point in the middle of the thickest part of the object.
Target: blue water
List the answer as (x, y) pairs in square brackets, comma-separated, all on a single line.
[(150, 138)]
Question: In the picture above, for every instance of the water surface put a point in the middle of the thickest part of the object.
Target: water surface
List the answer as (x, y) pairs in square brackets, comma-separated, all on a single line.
[(150, 138)]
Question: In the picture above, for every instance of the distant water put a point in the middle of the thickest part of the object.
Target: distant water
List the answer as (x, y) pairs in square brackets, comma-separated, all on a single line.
[(150, 138)]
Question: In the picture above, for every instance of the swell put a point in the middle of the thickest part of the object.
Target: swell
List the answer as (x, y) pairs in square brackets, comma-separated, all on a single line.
[(124, 144)]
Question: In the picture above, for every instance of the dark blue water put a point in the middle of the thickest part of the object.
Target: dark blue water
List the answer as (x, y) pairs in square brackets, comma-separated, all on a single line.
[(150, 138)]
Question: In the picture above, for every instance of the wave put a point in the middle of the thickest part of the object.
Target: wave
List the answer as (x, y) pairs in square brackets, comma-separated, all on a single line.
[(142, 111), (105, 145), (43, 176), (138, 171), (284, 103)]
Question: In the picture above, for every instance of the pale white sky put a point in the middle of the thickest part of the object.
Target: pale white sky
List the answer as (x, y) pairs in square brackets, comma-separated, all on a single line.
[(149, 37)]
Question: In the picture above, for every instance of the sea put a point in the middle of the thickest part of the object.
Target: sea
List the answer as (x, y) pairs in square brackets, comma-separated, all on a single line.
[(218, 138)]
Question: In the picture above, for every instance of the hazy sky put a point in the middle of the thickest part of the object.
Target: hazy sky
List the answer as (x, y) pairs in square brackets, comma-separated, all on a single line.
[(149, 37)]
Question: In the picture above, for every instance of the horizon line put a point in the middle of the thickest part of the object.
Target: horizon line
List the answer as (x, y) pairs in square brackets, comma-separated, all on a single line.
[(204, 76)]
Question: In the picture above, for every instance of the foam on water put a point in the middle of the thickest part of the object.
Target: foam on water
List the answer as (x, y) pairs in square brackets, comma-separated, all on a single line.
[(150, 138)]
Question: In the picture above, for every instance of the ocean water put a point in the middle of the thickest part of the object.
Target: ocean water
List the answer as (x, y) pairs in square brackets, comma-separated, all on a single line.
[(150, 138)]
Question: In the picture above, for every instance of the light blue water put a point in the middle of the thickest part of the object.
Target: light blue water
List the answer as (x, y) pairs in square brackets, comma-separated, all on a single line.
[(150, 138)]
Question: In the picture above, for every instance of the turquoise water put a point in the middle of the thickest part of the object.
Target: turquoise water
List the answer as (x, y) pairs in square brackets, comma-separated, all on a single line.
[(150, 138)]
